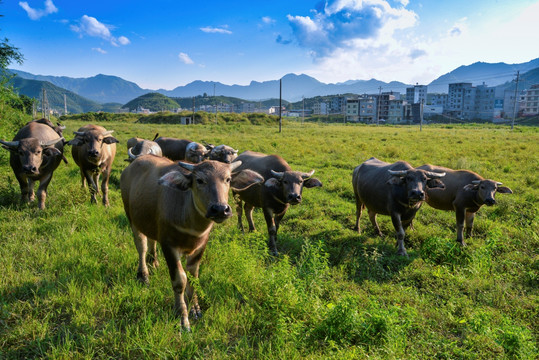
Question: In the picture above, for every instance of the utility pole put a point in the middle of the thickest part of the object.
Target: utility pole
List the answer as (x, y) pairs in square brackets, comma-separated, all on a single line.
[(215, 100), (193, 122), (65, 105), (378, 111), (515, 103), (303, 112), (280, 104), (421, 115)]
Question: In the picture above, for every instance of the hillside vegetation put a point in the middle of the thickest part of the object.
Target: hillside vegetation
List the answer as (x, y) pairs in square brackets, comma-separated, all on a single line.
[(153, 102), (68, 287)]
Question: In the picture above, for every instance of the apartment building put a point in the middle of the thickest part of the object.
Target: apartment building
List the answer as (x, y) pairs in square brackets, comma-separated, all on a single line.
[(531, 105)]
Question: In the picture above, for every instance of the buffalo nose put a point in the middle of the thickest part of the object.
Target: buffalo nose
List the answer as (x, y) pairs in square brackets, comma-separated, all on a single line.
[(93, 153), (218, 211), (29, 169), (490, 202), (294, 198), (417, 194)]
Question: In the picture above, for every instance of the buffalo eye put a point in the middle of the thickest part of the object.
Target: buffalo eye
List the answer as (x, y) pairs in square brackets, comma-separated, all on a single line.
[(227, 180), (200, 181), (285, 182)]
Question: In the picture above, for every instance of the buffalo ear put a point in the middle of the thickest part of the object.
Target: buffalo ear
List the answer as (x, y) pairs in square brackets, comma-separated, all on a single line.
[(52, 151), (176, 180), (245, 179), (395, 180), (435, 183), (504, 190), (312, 182), (75, 142), (273, 184), (110, 140), (471, 187)]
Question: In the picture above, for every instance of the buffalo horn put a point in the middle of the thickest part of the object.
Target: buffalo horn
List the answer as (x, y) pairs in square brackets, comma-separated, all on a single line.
[(435, 175), (235, 165), (11, 144), (476, 182), (235, 151), (78, 133), (398, 172), (62, 127), (307, 175), (187, 166), (108, 132), (130, 153), (277, 175), (498, 183), (50, 142)]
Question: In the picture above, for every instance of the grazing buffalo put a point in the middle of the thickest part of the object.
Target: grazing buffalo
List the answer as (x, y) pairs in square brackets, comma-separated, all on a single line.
[(143, 147), (465, 192), (93, 151), (176, 205), (36, 151), (223, 153), (282, 187), (394, 189), (182, 149)]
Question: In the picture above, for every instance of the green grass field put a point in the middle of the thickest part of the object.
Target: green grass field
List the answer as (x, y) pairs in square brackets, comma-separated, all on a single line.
[(68, 285)]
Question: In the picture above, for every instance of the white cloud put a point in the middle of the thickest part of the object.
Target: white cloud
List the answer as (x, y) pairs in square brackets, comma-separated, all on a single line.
[(36, 14), (99, 50), (267, 20), (90, 26), (184, 58), (209, 29)]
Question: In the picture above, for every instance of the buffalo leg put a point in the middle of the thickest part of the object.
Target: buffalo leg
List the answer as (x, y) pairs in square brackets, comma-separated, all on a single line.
[(192, 264), (469, 223), (272, 231), (92, 185), (239, 210), (141, 242), (178, 278), (397, 224), (461, 215), (105, 186), (23, 184), (31, 195), (42, 191), (152, 253), (372, 217), (249, 215), (359, 208), (83, 178)]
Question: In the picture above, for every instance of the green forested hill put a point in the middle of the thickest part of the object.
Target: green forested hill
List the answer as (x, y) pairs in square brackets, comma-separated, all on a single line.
[(152, 101)]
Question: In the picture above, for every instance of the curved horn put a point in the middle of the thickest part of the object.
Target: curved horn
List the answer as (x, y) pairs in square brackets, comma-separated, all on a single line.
[(307, 175), (62, 127), (11, 144), (108, 132), (78, 133), (434, 175), (498, 183), (398, 172), (131, 155), (235, 165), (186, 166), (50, 142), (277, 175), (235, 151), (476, 182)]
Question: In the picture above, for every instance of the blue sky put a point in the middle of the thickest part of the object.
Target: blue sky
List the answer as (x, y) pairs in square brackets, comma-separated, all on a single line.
[(165, 43)]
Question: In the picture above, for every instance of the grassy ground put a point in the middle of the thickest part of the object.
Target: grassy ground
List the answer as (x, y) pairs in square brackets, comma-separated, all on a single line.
[(68, 287)]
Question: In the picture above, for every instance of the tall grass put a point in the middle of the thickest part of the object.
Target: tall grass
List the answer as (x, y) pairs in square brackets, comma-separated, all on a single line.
[(68, 287)]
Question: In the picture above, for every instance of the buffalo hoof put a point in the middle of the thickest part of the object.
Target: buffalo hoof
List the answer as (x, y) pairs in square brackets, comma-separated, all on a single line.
[(195, 313), (356, 228), (402, 252), (462, 243), (143, 278)]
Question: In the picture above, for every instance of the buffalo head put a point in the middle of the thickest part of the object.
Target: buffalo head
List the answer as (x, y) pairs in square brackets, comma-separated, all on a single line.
[(195, 152), (93, 140), (288, 185), (486, 190), (32, 152), (223, 153), (415, 182)]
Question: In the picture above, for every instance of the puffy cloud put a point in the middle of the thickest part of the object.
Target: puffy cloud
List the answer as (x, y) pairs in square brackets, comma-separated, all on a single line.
[(99, 50), (90, 26), (36, 14), (209, 29), (184, 58)]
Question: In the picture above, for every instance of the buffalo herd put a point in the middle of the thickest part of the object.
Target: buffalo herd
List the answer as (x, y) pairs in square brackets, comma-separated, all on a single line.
[(174, 190)]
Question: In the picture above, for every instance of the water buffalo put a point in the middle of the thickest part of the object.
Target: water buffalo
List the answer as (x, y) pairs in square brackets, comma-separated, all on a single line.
[(135, 140), (223, 153), (143, 147), (465, 192), (282, 187), (93, 151), (59, 128), (394, 189), (36, 151), (176, 204), (182, 149)]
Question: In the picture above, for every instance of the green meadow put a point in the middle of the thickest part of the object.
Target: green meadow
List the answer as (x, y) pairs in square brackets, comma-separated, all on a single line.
[(68, 287)]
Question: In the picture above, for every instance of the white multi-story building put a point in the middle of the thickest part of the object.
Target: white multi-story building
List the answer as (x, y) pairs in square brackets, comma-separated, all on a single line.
[(509, 103), (320, 108), (531, 106), (416, 94)]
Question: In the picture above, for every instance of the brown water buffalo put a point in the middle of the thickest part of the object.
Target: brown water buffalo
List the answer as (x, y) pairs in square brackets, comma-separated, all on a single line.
[(36, 151), (59, 128), (93, 151), (182, 149), (176, 205), (394, 189), (282, 187), (465, 192), (143, 147)]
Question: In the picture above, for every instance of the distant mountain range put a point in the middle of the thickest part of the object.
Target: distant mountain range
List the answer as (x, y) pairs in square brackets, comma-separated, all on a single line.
[(113, 89)]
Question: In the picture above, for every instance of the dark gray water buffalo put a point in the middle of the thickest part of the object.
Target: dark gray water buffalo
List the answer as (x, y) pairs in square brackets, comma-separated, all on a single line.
[(94, 150), (223, 153), (36, 151), (465, 192), (143, 147), (282, 187), (182, 149), (397, 190), (176, 204)]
